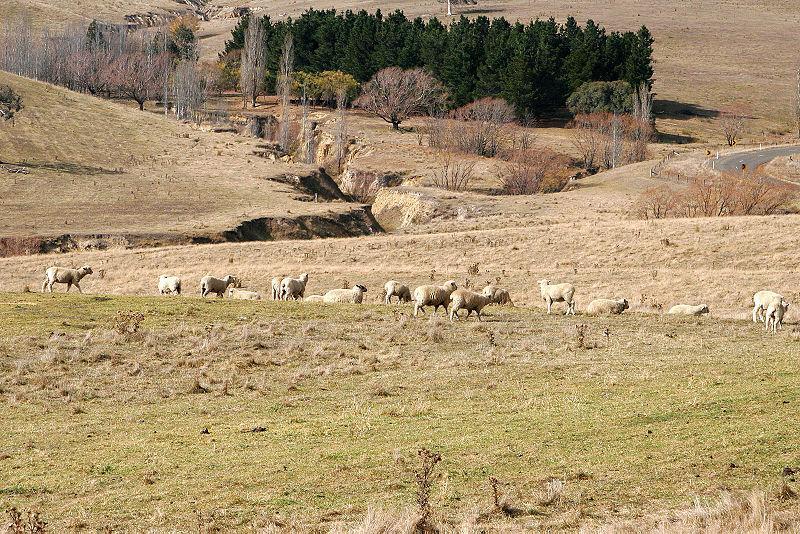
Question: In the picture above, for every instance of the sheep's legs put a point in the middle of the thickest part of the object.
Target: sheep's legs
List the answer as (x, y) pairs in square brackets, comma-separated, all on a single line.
[(69, 285), (79, 288), (549, 305), (756, 309)]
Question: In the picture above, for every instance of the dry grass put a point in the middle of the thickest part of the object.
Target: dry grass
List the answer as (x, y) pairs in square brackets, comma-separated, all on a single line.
[(100, 167), (223, 398)]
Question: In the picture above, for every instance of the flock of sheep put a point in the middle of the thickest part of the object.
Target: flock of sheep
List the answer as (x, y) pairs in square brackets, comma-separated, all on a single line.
[(768, 306)]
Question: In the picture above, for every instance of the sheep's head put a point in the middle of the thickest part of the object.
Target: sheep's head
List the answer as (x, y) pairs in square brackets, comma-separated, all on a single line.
[(86, 269), (488, 291), (624, 303), (359, 287), (304, 277), (450, 285), (785, 305), (704, 308), (230, 280), (544, 282)]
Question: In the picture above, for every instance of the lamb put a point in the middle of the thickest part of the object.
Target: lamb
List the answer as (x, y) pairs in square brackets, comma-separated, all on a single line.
[(396, 289), (243, 294), (688, 309), (210, 284), (776, 309), (64, 275), (293, 288), (498, 295), (760, 301), (464, 299), (169, 285), (355, 295), (607, 306), (276, 287), (430, 295), (558, 293)]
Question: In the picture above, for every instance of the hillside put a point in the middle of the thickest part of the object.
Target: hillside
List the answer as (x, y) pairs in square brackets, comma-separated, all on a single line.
[(98, 167)]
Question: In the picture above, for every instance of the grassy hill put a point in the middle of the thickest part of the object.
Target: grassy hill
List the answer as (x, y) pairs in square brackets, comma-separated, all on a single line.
[(103, 168)]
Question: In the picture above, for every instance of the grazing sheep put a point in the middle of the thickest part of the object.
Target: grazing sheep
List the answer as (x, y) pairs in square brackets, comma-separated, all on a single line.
[(243, 294), (64, 275), (776, 309), (558, 293), (169, 285), (498, 295), (688, 309), (760, 302), (210, 284), (464, 299), (607, 306), (276, 287), (294, 288), (396, 289), (435, 296), (313, 298), (354, 295)]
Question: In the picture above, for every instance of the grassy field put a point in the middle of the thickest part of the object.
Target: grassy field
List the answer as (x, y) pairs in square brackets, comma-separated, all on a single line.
[(109, 428)]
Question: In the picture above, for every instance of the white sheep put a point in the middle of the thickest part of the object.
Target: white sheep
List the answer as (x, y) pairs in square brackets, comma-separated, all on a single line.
[(498, 295), (354, 295), (210, 284), (760, 302), (396, 289), (688, 309), (464, 299), (607, 306), (276, 287), (776, 309), (294, 288), (64, 275), (558, 293), (430, 295), (313, 298), (169, 285), (243, 294)]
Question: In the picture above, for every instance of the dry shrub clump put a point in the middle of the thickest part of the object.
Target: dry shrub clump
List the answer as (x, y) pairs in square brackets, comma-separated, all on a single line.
[(605, 140), (533, 171), (481, 128), (717, 196), (453, 174), (19, 246)]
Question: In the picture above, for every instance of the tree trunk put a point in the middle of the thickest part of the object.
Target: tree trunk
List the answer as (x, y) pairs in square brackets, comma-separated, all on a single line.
[(141, 105), (395, 124)]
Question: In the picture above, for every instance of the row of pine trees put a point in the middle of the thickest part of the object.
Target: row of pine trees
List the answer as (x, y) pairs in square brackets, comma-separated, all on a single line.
[(533, 66)]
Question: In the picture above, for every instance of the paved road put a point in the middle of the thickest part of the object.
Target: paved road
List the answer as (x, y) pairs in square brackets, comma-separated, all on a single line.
[(753, 158)]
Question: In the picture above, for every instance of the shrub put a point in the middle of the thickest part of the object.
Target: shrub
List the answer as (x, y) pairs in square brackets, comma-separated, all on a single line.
[(453, 175), (602, 97), (481, 128), (533, 171)]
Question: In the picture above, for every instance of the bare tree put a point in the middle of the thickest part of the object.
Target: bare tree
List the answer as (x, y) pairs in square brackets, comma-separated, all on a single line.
[(307, 131), (340, 136), (452, 174), (285, 71), (797, 103), (732, 124), (254, 60), (10, 104), (394, 94), (138, 72), (189, 89), (533, 171)]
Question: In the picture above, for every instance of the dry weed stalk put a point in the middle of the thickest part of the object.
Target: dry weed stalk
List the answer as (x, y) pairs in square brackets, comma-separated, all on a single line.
[(424, 478)]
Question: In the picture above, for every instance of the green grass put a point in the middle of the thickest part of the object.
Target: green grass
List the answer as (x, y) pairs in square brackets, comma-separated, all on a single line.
[(104, 425)]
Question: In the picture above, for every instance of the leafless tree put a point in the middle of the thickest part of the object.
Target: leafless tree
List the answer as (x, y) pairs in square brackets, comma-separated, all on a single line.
[(189, 87), (285, 71), (307, 131), (481, 128), (138, 72), (394, 94), (533, 171), (732, 124), (797, 103), (254, 60), (340, 136)]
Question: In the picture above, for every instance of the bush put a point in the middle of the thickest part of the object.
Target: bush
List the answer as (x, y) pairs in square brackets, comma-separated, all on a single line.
[(533, 171), (480, 128), (602, 97), (453, 175)]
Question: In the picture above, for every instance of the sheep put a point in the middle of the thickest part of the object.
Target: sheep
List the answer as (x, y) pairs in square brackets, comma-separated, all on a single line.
[(243, 294), (776, 309), (760, 301), (607, 306), (498, 295), (64, 275), (688, 309), (210, 284), (464, 299), (557, 293), (396, 289), (169, 285), (276, 287), (313, 298), (293, 288), (354, 295), (430, 295)]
